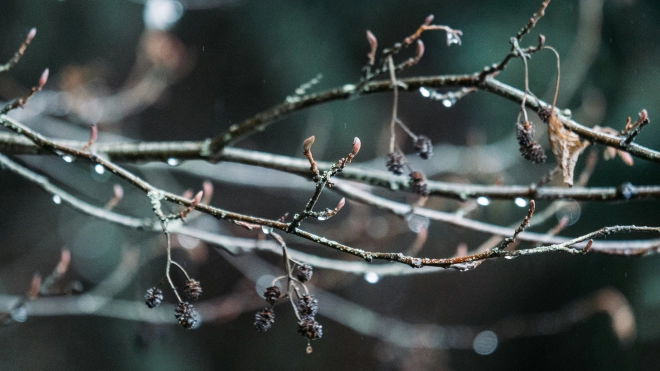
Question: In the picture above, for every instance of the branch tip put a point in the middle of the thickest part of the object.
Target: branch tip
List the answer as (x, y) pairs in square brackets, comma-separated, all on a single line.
[(44, 78), (357, 144), (35, 287), (307, 143)]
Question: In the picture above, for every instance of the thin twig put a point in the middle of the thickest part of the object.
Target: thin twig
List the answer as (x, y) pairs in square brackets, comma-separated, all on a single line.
[(19, 53)]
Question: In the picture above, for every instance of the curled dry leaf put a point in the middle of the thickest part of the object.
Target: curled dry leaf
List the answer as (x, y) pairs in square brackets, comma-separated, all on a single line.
[(565, 145), (611, 152)]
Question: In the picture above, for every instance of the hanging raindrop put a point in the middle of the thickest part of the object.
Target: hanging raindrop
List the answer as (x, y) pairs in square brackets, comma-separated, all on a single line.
[(417, 222), (452, 39), (520, 202), (483, 201), (266, 229), (371, 277)]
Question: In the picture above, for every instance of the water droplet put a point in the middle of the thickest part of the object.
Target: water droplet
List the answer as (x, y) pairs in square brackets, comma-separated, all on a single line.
[(485, 343), (99, 173), (452, 38), (322, 217), (448, 102), (625, 190), (19, 314), (371, 277), (68, 158), (309, 349), (424, 92), (463, 267), (187, 242), (57, 199), (510, 257), (483, 201), (570, 210), (417, 222), (378, 227), (266, 229), (173, 161), (520, 202)]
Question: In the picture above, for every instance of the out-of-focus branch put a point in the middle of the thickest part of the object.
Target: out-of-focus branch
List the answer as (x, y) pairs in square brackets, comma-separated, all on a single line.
[(455, 262), (234, 245)]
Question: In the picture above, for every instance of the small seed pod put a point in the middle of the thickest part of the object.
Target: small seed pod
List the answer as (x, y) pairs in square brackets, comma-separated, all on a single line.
[(184, 313), (272, 295), (307, 306), (529, 149), (424, 147), (305, 272), (153, 297), (193, 290), (309, 328), (264, 319), (418, 183), (395, 163), (544, 113)]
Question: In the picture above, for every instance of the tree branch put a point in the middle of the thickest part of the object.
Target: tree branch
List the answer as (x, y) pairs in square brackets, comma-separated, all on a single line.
[(146, 151)]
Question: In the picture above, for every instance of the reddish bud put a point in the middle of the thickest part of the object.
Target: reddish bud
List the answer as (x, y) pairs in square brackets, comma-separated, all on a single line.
[(31, 35), (198, 198), (643, 115), (625, 157), (373, 46), (588, 247), (65, 259), (118, 191), (94, 133), (341, 203), (461, 250), (187, 193), (356, 146), (541, 40), (609, 153), (429, 19), (307, 143), (35, 287), (43, 79), (420, 50), (373, 41), (207, 188)]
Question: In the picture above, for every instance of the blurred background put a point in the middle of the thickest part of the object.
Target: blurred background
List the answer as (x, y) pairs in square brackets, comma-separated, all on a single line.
[(186, 70)]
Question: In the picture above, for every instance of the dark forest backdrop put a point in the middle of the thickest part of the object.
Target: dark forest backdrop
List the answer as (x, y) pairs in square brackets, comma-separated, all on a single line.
[(224, 61)]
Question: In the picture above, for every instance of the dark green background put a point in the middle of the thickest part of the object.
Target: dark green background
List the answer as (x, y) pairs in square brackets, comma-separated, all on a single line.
[(250, 56)]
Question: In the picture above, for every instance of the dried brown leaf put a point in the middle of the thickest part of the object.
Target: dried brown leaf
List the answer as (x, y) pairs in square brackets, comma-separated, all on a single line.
[(565, 145)]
